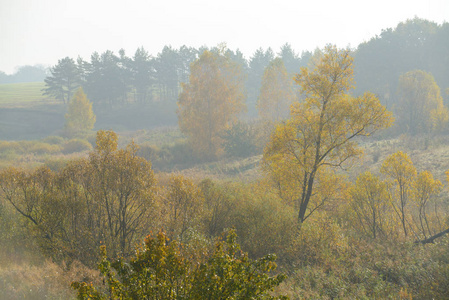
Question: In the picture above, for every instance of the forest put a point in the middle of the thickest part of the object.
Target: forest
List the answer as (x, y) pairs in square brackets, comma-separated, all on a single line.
[(201, 174)]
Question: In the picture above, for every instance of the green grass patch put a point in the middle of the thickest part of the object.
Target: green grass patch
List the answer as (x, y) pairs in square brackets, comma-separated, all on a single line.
[(23, 94)]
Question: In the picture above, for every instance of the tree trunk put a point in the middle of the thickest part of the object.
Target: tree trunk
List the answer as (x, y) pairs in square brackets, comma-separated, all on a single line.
[(432, 238)]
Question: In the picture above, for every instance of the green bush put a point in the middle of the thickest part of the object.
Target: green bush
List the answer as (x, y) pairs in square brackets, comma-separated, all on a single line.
[(161, 271), (239, 140)]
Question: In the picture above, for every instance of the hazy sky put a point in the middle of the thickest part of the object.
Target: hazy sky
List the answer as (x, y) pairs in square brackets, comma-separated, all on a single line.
[(43, 31)]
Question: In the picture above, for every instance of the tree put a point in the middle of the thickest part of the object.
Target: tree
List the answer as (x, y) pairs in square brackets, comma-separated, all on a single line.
[(166, 66), (369, 202), (187, 55), (425, 189), (160, 270), (80, 117), (124, 186), (142, 74), (276, 94), (400, 171), (421, 108), (63, 81), (106, 81), (256, 66), (105, 199), (210, 102), (291, 60), (319, 136), (27, 73), (184, 203)]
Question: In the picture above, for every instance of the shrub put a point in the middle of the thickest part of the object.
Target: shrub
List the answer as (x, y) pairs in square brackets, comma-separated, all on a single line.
[(239, 140), (43, 148), (148, 152), (76, 145), (56, 164), (161, 271), (53, 140)]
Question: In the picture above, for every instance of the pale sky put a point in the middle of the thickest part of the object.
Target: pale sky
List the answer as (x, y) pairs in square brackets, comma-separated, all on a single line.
[(43, 31)]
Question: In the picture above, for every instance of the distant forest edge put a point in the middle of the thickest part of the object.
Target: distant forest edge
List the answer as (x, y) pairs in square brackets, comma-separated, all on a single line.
[(112, 79)]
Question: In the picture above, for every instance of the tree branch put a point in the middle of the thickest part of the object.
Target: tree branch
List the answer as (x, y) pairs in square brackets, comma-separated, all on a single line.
[(432, 238)]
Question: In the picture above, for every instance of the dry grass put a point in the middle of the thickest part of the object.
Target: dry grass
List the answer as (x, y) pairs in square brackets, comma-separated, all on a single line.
[(45, 281), (242, 170)]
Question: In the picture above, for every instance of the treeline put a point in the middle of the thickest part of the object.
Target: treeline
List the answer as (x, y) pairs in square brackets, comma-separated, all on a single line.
[(412, 45), (113, 79), (25, 74), (116, 78)]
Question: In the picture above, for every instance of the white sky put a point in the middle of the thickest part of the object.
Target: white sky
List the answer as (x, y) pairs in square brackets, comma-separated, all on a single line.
[(43, 31)]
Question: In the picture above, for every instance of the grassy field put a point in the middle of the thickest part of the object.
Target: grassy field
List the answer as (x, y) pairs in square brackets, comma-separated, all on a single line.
[(26, 114), (23, 94)]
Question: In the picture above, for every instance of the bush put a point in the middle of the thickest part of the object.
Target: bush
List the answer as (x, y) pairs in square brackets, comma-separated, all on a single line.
[(26, 147), (76, 145), (56, 164), (239, 140), (53, 140), (148, 152), (43, 148), (161, 271)]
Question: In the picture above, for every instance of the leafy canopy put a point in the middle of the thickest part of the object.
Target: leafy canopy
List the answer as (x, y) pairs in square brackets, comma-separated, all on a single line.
[(319, 135), (210, 102)]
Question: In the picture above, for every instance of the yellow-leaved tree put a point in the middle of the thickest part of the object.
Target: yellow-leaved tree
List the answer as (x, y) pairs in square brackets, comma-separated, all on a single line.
[(420, 106), (276, 93), (184, 203), (369, 201), (399, 170), (426, 188), (80, 117), (319, 136), (210, 102)]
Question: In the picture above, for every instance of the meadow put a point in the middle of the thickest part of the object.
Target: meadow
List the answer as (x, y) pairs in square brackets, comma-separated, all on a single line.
[(24, 95)]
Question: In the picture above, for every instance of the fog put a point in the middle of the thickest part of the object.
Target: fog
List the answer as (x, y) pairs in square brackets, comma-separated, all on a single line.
[(41, 32)]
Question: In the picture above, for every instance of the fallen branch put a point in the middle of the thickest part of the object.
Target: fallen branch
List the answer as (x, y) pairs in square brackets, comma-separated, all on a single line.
[(432, 238)]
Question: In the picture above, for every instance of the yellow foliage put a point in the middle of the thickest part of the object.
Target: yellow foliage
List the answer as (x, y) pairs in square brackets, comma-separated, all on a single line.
[(319, 134), (210, 102), (369, 201), (80, 117), (421, 108), (276, 92), (401, 173), (425, 189), (184, 204)]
